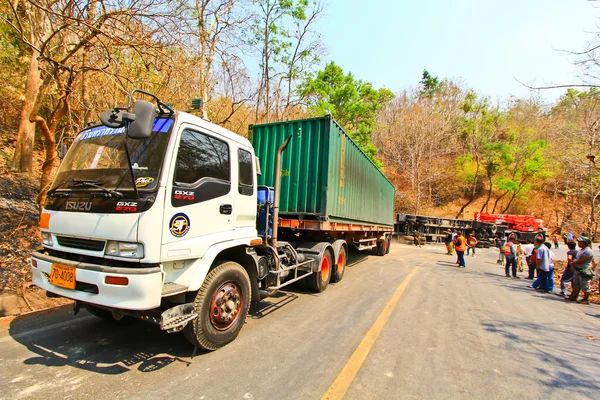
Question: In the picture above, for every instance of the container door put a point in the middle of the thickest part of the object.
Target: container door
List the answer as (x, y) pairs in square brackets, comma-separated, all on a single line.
[(199, 209)]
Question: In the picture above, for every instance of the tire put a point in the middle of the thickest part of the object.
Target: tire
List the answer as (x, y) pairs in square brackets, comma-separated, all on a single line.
[(318, 281), (100, 313), (389, 244), (218, 324), (339, 268), (380, 249)]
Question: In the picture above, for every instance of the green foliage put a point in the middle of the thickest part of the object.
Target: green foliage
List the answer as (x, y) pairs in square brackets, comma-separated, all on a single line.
[(352, 103), (430, 85), (529, 166)]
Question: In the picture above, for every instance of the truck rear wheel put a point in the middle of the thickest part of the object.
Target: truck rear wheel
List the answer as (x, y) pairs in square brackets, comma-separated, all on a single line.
[(389, 244), (222, 305), (318, 281), (338, 271)]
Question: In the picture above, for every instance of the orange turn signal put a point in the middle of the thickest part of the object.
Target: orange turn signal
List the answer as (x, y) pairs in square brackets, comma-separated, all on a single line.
[(255, 242), (116, 280), (34, 262), (44, 221)]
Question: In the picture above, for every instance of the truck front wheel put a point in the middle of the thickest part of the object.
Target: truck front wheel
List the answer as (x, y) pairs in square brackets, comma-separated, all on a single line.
[(222, 305)]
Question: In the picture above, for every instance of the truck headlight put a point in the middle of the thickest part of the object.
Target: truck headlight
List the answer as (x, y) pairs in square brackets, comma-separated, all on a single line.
[(47, 239), (124, 249)]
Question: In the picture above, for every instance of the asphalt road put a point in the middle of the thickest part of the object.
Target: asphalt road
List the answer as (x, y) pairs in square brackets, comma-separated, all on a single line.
[(409, 325)]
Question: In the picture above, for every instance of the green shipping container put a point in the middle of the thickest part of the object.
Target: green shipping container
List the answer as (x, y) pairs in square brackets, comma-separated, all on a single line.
[(324, 174)]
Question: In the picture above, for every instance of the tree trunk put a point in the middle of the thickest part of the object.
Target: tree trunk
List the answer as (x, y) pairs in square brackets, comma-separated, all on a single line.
[(473, 191), (497, 201), (23, 158), (50, 163), (489, 196)]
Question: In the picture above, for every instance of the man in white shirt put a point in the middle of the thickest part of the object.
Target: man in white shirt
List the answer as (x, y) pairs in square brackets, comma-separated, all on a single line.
[(527, 250), (542, 259)]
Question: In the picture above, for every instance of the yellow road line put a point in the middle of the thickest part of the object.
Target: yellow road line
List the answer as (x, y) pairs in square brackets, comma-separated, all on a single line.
[(343, 381)]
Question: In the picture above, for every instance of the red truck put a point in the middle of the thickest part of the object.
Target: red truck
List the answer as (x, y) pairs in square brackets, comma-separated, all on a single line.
[(524, 226)]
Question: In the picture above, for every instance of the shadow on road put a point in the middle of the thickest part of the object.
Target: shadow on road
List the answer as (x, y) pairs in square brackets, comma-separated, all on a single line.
[(104, 347), (116, 347), (567, 348)]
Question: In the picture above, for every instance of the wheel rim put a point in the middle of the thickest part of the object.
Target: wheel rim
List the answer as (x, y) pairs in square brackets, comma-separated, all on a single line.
[(341, 263), (226, 306), (325, 269)]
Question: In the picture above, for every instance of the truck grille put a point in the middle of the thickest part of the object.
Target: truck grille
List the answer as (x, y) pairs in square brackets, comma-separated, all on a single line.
[(83, 244)]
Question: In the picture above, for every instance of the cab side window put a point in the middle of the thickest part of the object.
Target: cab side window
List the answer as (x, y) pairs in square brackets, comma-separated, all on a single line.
[(201, 157), (246, 177)]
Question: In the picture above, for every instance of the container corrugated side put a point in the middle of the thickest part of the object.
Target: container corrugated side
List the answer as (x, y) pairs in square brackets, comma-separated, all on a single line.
[(324, 173)]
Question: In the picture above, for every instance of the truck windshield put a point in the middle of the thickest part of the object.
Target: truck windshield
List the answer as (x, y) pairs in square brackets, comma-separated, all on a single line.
[(98, 156)]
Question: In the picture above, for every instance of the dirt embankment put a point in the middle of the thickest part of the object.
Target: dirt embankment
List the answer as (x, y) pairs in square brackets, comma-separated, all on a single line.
[(19, 236)]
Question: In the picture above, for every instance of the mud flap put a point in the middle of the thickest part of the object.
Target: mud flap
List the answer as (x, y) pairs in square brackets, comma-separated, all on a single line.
[(176, 318)]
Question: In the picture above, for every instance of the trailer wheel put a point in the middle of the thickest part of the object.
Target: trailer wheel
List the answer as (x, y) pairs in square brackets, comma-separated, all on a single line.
[(381, 247), (340, 267), (389, 244), (318, 281), (222, 305), (100, 313)]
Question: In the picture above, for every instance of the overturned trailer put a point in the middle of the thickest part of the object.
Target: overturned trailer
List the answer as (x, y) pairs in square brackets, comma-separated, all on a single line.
[(434, 229)]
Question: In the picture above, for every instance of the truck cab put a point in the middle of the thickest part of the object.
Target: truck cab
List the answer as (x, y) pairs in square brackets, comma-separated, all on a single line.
[(119, 240)]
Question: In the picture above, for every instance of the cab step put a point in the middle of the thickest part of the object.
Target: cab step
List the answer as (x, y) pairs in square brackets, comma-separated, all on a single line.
[(169, 289)]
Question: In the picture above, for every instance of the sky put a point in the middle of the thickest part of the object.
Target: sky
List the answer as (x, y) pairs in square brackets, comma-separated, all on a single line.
[(488, 45)]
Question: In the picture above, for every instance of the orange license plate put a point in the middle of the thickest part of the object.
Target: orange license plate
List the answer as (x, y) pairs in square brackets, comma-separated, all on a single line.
[(63, 276)]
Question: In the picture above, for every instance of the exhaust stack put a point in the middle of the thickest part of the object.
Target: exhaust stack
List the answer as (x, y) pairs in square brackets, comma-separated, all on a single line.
[(277, 190)]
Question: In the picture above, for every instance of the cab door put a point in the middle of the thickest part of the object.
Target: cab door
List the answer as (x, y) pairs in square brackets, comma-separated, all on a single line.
[(199, 208)]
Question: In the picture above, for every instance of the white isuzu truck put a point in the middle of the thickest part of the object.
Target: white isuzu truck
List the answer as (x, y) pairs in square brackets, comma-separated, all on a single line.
[(155, 214)]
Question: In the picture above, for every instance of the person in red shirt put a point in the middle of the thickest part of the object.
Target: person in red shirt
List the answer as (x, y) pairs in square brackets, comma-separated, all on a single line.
[(471, 244)]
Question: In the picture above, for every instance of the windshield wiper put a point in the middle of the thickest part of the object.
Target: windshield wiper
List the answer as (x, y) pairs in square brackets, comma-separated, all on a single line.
[(84, 182), (54, 189), (96, 184)]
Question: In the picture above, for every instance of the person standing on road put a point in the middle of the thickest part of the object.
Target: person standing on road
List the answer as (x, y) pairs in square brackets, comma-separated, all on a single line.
[(449, 243), (510, 253), (570, 236), (417, 238), (471, 243), (551, 272), (567, 275), (542, 260), (582, 271), (555, 241), (501, 244), (528, 250), (460, 245)]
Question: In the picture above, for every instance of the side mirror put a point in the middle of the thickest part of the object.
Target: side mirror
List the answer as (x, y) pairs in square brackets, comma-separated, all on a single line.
[(141, 126), (63, 151)]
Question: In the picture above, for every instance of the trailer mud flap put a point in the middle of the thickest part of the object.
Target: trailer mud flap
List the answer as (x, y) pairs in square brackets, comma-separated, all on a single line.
[(176, 318)]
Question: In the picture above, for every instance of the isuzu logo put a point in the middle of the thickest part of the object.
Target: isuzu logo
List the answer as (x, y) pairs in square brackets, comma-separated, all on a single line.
[(130, 206), (184, 195), (78, 205)]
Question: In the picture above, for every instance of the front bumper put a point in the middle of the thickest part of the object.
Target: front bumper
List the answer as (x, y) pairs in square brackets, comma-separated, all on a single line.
[(143, 292)]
